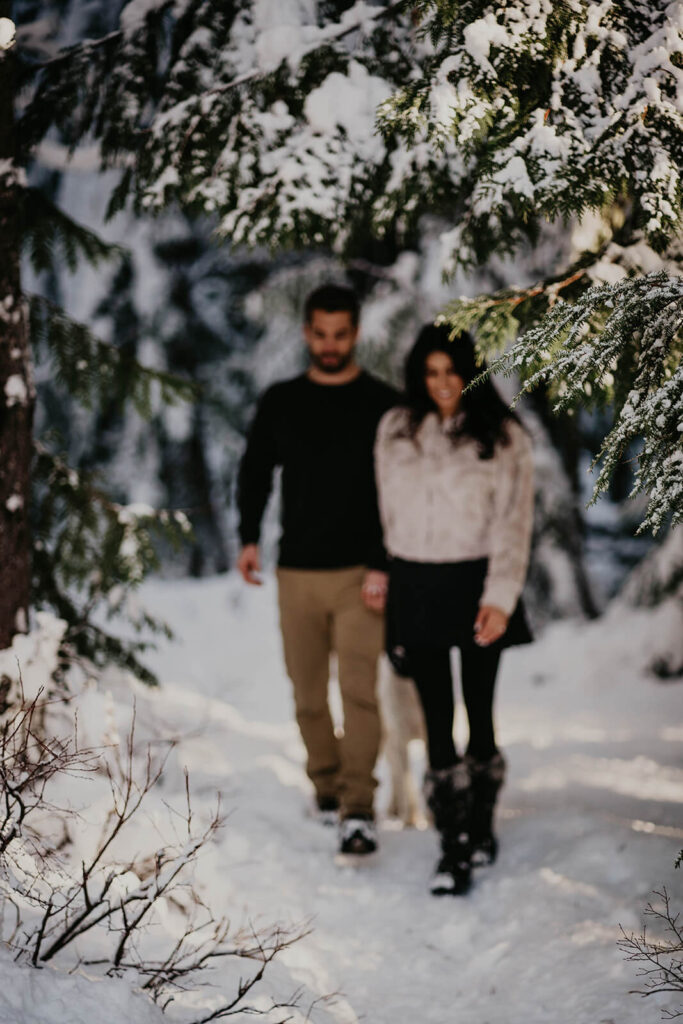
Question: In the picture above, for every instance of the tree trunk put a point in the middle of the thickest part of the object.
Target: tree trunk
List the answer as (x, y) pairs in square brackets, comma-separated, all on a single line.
[(16, 387), (568, 527)]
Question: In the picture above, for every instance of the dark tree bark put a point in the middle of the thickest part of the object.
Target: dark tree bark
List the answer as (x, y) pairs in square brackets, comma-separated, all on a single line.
[(16, 387)]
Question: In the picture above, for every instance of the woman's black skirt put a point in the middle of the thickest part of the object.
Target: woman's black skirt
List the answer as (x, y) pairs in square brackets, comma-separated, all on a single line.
[(434, 605)]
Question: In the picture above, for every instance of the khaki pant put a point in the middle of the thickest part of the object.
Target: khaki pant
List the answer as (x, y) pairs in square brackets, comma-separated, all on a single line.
[(322, 611)]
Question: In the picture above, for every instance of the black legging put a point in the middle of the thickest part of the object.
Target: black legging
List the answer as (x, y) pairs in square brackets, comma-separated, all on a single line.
[(434, 682)]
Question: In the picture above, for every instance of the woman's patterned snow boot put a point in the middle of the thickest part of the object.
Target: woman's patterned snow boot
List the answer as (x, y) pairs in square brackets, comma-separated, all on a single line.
[(449, 797), (487, 779)]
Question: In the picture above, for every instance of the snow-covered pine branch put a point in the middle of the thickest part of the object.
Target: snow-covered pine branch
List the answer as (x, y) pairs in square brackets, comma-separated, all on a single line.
[(83, 546), (497, 118), (263, 117), (516, 113), (90, 553), (89, 550), (555, 108), (619, 344)]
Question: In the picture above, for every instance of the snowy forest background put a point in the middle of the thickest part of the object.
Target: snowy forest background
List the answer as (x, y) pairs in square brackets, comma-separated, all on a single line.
[(178, 299), (159, 285)]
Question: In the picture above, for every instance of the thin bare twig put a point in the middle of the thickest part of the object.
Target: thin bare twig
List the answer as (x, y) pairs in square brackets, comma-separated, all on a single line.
[(661, 959)]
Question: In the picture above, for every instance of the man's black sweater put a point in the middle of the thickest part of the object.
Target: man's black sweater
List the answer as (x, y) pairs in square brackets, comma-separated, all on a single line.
[(322, 435)]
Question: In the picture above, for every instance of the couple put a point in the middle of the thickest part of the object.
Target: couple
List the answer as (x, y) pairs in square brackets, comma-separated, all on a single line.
[(415, 509)]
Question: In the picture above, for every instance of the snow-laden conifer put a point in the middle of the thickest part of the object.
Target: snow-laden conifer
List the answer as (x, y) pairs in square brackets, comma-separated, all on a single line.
[(601, 349), (87, 547), (496, 117)]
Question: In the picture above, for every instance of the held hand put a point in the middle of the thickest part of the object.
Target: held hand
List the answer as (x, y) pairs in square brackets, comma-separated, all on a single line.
[(490, 625), (374, 590), (249, 564)]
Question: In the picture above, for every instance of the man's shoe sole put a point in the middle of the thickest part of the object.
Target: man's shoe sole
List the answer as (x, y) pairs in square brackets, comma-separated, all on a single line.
[(355, 860)]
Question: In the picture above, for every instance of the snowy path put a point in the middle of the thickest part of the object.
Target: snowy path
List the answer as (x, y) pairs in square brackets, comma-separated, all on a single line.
[(590, 823)]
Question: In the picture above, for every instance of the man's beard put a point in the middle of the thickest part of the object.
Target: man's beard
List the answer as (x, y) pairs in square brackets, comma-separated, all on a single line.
[(331, 363)]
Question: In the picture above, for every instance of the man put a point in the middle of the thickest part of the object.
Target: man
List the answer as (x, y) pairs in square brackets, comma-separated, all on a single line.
[(320, 427)]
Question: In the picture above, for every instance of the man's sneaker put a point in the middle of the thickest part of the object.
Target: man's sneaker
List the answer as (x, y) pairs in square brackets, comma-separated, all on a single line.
[(357, 836), (327, 809)]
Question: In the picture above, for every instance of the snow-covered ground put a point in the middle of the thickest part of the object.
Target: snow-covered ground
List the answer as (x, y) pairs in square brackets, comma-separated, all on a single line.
[(590, 823)]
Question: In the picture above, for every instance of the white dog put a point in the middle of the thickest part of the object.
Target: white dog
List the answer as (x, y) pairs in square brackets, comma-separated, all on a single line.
[(402, 721)]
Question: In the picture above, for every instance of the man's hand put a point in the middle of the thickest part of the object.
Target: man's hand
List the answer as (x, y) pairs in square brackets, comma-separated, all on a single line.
[(374, 590), (249, 564), (490, 625)]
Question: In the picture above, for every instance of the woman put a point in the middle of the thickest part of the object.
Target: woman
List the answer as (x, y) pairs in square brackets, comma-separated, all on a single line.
[(455, 482)]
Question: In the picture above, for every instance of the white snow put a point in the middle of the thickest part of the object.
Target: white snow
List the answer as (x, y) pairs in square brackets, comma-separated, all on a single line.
[(51, 996), (350, 102), (16, 391), (128, 515), (8, 32), (34, 654), (276, 43), (480, 35), (606, 272), (169, 177), (129, 547), (514, 175), (135, 13), (590, 823), (21, 620)]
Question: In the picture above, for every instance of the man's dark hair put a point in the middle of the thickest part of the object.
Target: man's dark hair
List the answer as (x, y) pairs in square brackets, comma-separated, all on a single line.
[(333, 298)]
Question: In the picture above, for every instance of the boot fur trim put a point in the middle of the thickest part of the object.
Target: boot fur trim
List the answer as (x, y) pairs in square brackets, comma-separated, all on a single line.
[(494, 769), (455, 779)]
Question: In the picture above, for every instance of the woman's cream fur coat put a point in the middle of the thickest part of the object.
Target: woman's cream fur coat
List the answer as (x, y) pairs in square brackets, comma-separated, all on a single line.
[(440, 502)]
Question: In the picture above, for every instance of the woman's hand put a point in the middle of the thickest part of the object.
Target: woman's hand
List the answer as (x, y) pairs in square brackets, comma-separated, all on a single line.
[(490, 625), (374, 590)]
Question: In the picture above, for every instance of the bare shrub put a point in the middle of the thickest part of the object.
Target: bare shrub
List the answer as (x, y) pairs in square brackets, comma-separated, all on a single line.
[(661, 959), (99, 912)]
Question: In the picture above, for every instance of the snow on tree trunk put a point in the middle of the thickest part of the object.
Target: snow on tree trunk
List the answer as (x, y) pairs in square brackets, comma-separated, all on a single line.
[(16, 388), (657, 583), (659, 576)]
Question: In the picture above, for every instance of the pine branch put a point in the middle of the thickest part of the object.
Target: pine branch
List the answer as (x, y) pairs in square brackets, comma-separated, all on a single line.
[(327, 35), (507, 116), (367, 14), (90, 553), (51, 238), (497, 318), (138, 96), (617, 345), (95, 371), (77, 49)]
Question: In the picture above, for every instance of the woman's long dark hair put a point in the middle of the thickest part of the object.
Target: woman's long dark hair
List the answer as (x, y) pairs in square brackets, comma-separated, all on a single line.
[(485, 412)]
